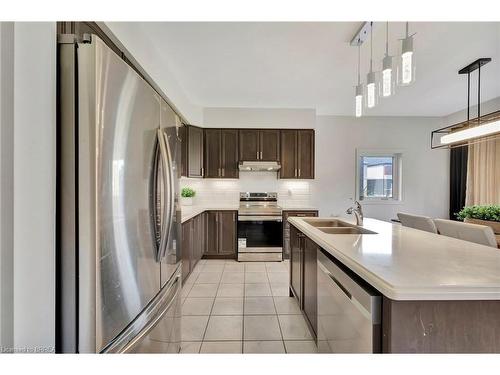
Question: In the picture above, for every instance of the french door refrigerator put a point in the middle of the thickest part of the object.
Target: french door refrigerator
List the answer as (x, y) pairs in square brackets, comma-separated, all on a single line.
[(118, 270)]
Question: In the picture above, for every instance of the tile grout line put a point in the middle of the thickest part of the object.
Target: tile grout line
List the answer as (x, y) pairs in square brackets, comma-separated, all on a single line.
[(277, 317)]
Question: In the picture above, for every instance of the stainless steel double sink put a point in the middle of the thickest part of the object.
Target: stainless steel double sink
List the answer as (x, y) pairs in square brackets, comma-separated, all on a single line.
[(336, 226)]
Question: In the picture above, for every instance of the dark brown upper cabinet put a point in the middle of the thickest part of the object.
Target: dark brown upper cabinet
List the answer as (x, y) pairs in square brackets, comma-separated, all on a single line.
[(297, 154), (221, 153), (194, 139), (184, 150), (259, 145)]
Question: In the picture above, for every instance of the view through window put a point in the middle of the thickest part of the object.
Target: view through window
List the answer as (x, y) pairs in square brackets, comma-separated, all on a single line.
[(378, 177)]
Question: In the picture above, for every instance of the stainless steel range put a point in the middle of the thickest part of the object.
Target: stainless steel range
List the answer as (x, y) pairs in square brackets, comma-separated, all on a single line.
[(260, 228)]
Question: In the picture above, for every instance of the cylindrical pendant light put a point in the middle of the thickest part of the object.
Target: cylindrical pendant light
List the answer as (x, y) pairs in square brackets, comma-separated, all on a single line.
[(388, 72), (358, 102), (371, 78), (406, 63)]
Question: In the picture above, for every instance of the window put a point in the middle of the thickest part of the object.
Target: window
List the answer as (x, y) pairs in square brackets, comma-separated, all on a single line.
[(378, 176)]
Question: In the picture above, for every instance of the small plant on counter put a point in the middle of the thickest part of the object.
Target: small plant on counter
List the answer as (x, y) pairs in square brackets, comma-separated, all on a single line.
[(187, 192), (487, 212)]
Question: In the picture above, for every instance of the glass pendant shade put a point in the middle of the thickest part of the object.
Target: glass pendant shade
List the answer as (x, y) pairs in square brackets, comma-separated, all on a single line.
[(359, 100), (371, 90), (406, 63), (388, 82)]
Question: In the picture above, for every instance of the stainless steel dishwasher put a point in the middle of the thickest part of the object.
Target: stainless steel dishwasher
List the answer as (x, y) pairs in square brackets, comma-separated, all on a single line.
[(349, 312)]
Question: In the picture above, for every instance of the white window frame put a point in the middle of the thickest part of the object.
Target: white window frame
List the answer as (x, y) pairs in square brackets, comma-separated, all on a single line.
[(397, 175)]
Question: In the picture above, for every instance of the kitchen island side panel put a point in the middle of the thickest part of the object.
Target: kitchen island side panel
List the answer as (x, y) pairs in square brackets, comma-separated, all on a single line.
[(440, 326)]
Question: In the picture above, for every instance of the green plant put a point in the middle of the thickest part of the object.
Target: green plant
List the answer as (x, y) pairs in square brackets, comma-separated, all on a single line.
[(487, 212), (187, 192)]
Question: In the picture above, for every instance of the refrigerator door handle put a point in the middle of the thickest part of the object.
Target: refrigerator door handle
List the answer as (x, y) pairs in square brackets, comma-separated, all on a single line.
[(170, 194), (166, 186)]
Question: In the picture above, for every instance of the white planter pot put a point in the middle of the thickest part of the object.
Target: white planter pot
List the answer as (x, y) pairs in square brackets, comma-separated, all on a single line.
[(187, 201)]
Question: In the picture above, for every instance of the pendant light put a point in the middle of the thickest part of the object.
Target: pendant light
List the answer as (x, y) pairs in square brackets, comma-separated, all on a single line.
[(371, 81), (388, 72), (406, 63), (359, 89)]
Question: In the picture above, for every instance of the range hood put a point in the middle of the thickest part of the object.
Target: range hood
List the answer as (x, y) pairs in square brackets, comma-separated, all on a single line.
[(259, 166)]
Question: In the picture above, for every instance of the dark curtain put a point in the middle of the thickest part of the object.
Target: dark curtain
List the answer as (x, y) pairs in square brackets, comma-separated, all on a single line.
[(458, 179)]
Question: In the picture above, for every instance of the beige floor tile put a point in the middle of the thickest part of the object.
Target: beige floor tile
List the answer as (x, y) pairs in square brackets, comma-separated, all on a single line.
[(228, 306), (222, 328), (276, 267), (221, 347), (231, 290), (256, 277), (278, 277), (263, 347), (255, 267), (186, 288), (234, 267), (280, 289), (261, 328), (259, 306), (208, 277), (213, 267), (296, 347), (190, 347), (286, 305), (294, 327), (197, 306), (193, 327), (233, 277), (257, 290), (203, 290)]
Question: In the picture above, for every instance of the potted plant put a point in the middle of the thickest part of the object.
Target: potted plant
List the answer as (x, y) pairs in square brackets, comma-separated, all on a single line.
[(484, 215), (187, 195)]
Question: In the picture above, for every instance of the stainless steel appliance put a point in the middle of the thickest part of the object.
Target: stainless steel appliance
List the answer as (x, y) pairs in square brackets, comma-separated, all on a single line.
[(259, 166), (260, 230), (349, 311), (118, 207)]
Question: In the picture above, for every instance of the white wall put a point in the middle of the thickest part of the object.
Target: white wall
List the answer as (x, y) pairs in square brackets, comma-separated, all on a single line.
[(259, 118), (6, 183), (425, 172), (32, 158), (486, 107), (131, 36)]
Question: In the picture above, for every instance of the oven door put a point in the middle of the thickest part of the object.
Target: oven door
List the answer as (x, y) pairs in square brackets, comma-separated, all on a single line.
[(260, 237)]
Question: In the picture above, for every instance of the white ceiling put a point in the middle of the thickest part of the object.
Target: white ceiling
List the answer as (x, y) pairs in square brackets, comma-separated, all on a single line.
[(311, 65)]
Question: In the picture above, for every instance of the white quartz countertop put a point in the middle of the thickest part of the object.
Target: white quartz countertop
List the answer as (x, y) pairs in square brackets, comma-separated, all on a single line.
[(188, 212), (408, 264)]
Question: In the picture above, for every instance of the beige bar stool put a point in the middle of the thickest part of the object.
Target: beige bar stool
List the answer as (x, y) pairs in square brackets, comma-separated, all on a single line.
[(417, 222), (480, 234)]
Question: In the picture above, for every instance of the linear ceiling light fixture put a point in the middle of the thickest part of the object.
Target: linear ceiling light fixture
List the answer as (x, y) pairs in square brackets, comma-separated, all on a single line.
[(470, 131)]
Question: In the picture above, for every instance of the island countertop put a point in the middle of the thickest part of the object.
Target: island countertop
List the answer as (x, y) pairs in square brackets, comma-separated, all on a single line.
[(409, 264)]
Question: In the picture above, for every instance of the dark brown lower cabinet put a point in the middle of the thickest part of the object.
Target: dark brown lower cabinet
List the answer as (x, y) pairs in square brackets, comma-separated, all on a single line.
[(296, 260), (303, 276), (286, 227), (193, 239), (220, 233), (310, 291)]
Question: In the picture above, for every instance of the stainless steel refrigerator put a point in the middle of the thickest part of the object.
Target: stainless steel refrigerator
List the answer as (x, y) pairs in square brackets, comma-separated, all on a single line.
[(118, 264)]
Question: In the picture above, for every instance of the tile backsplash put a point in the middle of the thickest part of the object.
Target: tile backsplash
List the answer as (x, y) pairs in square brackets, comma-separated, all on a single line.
[(291, 193)]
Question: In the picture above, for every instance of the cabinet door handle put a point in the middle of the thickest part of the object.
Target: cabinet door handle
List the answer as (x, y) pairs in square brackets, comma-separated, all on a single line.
[(223, 172), (295, 173), (202, 171), (261, 155), (257, 155), (299, 172)]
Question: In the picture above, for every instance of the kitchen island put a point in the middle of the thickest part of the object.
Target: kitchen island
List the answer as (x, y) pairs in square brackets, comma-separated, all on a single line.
[(438, 294)]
